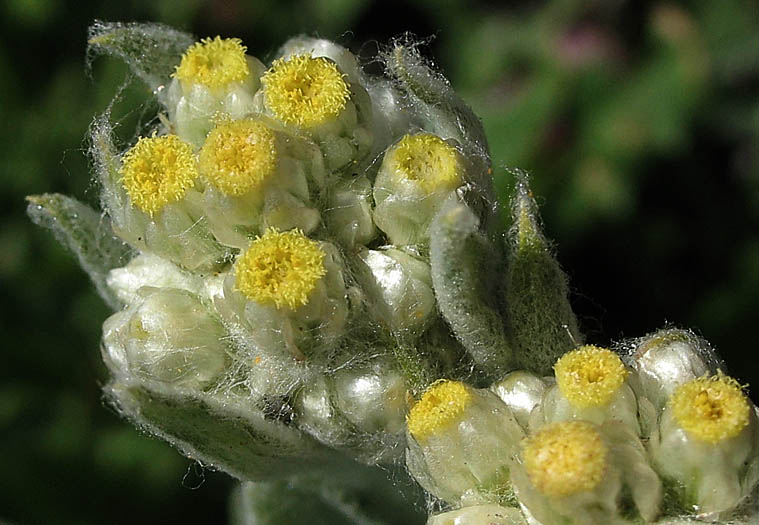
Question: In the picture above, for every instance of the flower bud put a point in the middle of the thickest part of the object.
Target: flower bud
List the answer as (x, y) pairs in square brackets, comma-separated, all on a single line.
[(361, 409), (311, 93), (668, 358), (707, 441), (591, 384), (416, 176), (150, 270), (258, 177), (214, 78), (153, 204), (398, 288), (521, 391), (573, 472), (372, 397), (170, 337), (349, 212), (479, 515), (287, 296), (461, 442)]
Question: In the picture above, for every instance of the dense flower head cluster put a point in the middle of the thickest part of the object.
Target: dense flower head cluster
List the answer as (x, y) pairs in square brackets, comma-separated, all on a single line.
[(308, 271)]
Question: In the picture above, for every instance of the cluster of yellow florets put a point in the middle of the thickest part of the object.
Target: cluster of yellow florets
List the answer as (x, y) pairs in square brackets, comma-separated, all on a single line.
[(305, 91), (158, 171), (238, 156), (440, 406), (712, 409), (428, 161), (590, 375), (214, 62), (565, 458), (280, 268)]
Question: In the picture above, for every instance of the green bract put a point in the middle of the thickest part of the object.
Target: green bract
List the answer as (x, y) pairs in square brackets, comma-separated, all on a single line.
[(313, 292)]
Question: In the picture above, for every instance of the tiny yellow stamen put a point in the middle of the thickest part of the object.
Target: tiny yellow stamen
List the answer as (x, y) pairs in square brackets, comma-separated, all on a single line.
[(427, 160), (214, 63), (565, 458), (589, 376), (713, 409), (305, 91), (238, 156), (442, 404), (280, 268), (158, 171)]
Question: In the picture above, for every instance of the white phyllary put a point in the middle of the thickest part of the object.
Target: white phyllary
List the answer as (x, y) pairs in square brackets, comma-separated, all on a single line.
[(479, 515), (555, 407), (372, 396), (461, 443), (398, 287), (392, 117), (416, 176), (316, 413), (668, 358), (522, 391), (592, 384), (707, 442), (349, 211), (169, 336), (574, 472), (361, 410), (215, 79), (147, 269), (259, 176)]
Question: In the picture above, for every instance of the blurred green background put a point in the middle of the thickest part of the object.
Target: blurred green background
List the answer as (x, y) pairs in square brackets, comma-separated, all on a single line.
[(638, 120)]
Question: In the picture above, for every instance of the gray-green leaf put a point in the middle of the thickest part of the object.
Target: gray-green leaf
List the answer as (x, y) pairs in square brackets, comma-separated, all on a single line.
[(541, 323), (365, 496), (437, 105), (232, 436), (150, 50), (464, 269), (85, 232)]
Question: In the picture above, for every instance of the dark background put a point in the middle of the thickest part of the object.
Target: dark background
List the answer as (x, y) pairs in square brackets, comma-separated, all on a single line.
[(638, 120)]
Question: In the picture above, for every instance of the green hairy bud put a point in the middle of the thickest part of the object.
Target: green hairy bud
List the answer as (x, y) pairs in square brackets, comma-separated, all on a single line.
[(312, 291)]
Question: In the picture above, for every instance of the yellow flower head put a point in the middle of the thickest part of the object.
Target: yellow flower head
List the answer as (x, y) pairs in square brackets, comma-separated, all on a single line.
[(238, 156), (214, 62), (158, 171), (427, 160), (565, 458), (280, 268), (712, 409), (305, 91), (442, 404), (589, 376)]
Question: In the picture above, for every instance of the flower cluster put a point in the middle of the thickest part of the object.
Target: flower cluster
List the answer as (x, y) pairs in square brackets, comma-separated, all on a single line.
[(308, 273)]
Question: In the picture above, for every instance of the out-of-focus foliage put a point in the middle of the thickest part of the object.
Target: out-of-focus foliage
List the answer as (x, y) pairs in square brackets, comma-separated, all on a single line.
[(639, 121)]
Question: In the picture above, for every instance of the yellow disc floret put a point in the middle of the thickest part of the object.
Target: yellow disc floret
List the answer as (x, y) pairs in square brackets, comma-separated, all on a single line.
[(565, 458), (712, 409), (427, 160), (589, 376), (305, 91), (442, 404), (158, 171), (238, 156), (280, 268), (214, 62)]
